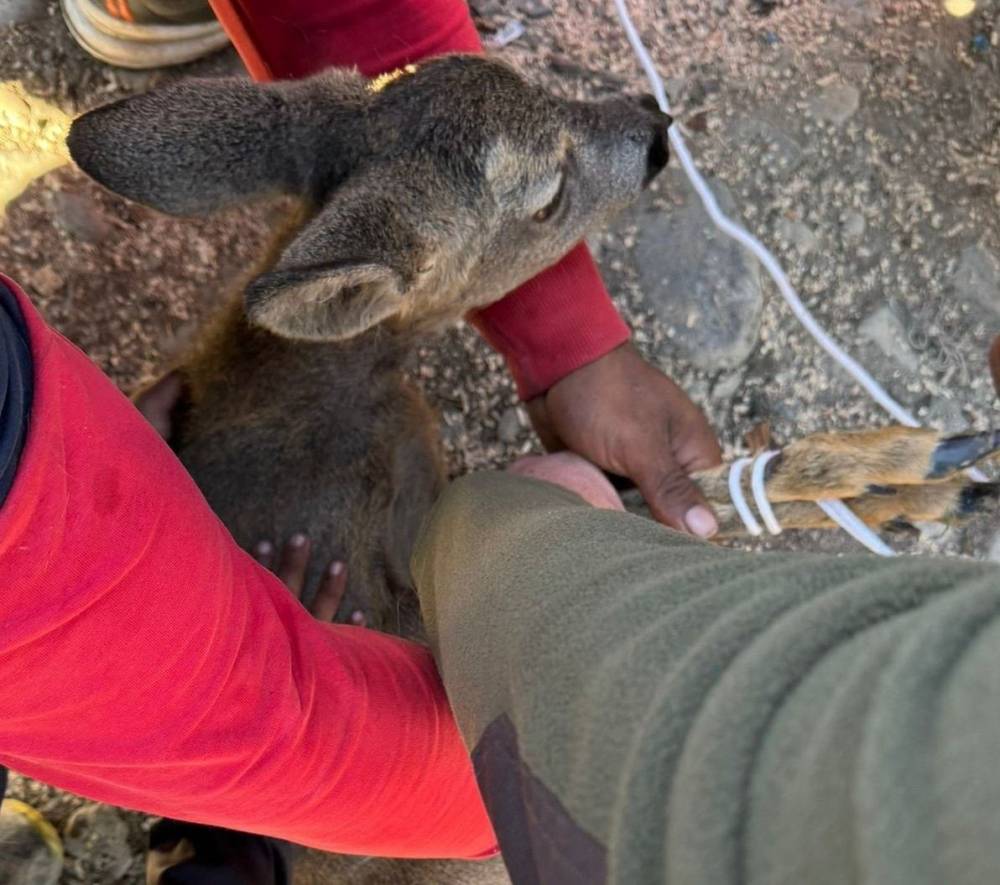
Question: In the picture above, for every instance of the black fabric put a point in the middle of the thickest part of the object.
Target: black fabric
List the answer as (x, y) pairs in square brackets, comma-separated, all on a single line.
[(222, 857), (540, 841), (16, 384)]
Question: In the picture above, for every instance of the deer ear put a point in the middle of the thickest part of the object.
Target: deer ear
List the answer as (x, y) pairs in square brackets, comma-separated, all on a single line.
[(199, 145), (351, 267)]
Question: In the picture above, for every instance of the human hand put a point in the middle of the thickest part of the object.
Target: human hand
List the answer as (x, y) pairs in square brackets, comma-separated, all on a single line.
[(629, 418), (293, 563), (156, 403), (571, 472)]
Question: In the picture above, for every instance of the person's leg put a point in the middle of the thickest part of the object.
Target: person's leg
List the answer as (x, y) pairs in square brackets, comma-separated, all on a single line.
[(190, 854), (645, 707)]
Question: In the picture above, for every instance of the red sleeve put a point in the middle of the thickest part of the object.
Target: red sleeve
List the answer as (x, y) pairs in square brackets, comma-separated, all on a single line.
[(552, 325), (146, 661)]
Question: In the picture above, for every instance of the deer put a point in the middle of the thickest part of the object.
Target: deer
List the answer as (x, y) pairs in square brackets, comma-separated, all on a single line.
[(411, 201)]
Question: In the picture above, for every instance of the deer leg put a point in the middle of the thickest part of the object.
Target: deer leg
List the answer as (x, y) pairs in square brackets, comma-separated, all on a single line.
[(848, 465)]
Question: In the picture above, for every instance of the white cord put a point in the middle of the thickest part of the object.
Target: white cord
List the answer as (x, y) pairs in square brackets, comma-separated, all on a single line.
[(760, 494), (739, 501), (851, 523), (745, 238)]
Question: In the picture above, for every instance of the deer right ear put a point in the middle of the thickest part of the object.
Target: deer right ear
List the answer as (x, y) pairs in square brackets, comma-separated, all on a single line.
[(199, 145), (354, 265)]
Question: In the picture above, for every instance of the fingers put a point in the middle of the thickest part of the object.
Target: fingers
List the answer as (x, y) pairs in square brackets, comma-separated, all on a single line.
[(675, 500), (156, 403), (293, 563), (263, 552), (330, 593)]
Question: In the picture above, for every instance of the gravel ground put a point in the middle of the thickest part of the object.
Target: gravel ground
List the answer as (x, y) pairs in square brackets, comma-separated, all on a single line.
[(857, 138)]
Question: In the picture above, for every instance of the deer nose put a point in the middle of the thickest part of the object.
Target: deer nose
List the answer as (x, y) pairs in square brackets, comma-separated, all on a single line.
[(658, 153)]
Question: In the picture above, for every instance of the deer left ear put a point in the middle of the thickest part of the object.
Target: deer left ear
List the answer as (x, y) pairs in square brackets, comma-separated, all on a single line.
[(351, 267)]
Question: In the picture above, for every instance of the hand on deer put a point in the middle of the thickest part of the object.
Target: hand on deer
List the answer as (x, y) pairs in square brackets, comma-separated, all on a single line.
[(573, 473), (629, 418), (291, 568)]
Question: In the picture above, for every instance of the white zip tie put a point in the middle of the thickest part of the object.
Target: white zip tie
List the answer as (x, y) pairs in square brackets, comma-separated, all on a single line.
[(760, 493), (771, 265), (739, 501), (851, 523)]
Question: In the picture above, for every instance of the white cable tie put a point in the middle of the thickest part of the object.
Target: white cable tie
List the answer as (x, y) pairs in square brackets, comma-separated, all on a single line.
[(760, 493), (851, 523), (738, 499)]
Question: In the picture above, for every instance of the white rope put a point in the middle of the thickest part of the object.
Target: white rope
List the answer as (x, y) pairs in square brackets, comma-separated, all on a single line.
[(760, 493), (851, 523), (739, 501), (771, 265)]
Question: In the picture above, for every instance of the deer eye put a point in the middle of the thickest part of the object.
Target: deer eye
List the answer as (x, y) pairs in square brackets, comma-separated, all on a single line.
[(547, 211)]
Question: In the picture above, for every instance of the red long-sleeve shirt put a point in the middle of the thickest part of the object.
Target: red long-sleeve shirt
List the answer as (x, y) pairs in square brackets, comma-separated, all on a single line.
[(146, 661), (555, 323)]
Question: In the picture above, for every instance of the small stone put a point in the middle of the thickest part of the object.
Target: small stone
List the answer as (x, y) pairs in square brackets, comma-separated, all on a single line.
[(978, 277), (80, 217), (798, 235), (17, 12), (31, 852), (994, 552), (534, 9), (853, 227), (884, 329), (836, 102), (45, 281), (510, 426), (99, 834), (695, 276)]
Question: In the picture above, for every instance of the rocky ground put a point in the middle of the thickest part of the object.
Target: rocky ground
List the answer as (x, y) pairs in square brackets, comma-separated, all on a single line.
[(856, 138)]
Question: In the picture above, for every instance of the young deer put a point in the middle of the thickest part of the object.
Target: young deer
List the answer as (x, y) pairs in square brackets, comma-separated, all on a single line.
[(417, 200)]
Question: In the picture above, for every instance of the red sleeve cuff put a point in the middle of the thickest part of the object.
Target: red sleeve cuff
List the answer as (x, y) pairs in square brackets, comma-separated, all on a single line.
[(372, 35), (554, 324)]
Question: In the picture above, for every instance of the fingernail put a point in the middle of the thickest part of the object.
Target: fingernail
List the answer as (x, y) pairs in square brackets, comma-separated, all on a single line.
[(700, 521), (297, 540), (358, 618), (263, 548), (336, 568)]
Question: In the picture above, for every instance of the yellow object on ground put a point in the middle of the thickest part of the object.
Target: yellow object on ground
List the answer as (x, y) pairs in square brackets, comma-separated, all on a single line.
[(960, 8), (32, 139), (39, 823)]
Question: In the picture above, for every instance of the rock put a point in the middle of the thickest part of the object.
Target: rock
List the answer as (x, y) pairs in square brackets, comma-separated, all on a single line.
[(797, 235), (994, 552), (45, 281), (510, 426), (16, 12), (534, 9), (99, 834), (31, 853), (978, 277), (701, 283), (835, 102), (884, 329), (947, 416), (80, 217), (853, 227)]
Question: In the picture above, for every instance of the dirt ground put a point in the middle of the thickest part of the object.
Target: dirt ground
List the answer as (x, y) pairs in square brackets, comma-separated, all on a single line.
[(857, 138)]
